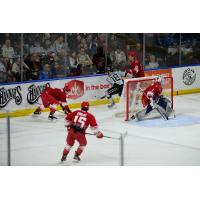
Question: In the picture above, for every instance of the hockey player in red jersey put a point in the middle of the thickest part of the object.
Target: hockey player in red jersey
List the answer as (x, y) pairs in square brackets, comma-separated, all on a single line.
[(77, 123), (136, 67), (51, 97), (152, 99)]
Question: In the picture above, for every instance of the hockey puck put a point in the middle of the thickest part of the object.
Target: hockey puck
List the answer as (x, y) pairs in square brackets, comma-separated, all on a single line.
[(133, 117)]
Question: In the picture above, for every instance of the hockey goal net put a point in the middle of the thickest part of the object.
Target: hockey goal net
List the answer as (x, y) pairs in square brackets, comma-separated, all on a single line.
[(130, 101)]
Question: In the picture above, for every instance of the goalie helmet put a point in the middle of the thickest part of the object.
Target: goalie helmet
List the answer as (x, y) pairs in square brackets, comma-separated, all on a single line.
[(159, 79), (85, 105)]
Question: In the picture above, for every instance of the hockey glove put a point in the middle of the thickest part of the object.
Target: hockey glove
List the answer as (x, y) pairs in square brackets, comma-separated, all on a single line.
[(68, 127), (99, 134)]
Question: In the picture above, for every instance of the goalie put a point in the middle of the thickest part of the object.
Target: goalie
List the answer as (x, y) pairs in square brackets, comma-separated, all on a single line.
[(152, 99)]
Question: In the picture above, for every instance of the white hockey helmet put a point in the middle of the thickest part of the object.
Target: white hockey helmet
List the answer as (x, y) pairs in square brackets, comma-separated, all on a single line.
[(159, 79)]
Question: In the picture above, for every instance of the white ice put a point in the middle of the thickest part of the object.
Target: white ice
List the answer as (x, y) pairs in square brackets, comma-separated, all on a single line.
[(38, 141)]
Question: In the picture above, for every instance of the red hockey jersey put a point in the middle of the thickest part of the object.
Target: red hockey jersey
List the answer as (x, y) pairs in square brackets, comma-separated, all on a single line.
[(82, 119), (136, 69), (155, 89), (58, 94)]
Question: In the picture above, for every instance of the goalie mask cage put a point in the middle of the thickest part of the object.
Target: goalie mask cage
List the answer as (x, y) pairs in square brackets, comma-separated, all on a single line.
[(130, 101)]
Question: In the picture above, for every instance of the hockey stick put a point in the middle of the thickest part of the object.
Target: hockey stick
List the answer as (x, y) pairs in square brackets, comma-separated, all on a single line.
[(102, 97), (105, 136)]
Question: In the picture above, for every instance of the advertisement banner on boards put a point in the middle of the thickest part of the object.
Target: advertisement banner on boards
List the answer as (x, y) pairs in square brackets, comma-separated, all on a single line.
[(27, 95), (186, 78)]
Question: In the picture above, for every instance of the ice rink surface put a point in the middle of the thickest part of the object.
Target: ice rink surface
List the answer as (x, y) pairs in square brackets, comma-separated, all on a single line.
[(38, 141)]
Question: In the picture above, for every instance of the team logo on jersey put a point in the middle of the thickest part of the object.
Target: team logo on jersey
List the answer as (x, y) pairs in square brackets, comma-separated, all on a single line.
[(34, 92), (189, 76), (7, 94), (76, 89)]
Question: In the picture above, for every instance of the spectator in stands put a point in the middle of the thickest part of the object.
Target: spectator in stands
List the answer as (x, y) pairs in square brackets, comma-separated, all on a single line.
[(186, 48), (101, 40), (59, 44), (73, 60), (78, 39), (46, 72), (84, 59), (36, 48), (99, 60), (93, 46), (89, 44), (62, 56), (120, 58), (34, 63), (152, 62), (46, 36), (59, 71), (112, 56), (3, 73), (83, 44), (7, 50), (113, 43), (173, 49), (16, 70), (48, 47), (76, 71), (10, 78)]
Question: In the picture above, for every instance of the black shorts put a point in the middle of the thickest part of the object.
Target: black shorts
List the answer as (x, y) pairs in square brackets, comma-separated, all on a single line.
[(115, 89)]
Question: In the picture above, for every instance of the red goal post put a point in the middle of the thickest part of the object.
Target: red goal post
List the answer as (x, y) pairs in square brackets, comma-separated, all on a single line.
[(132, 93)]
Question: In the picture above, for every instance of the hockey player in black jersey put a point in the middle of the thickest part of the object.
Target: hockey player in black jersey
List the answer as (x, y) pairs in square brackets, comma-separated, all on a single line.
[(117, 83)]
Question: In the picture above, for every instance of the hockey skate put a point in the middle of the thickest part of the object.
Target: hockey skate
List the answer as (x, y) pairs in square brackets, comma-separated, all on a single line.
[(51, 116), (64, 157), (111, 104), (76, 158), (37, 112)]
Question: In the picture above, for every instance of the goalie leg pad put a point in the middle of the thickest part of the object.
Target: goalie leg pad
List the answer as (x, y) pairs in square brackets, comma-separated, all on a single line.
[(165, 103), (162, 112), (148, 109), (143, 113)]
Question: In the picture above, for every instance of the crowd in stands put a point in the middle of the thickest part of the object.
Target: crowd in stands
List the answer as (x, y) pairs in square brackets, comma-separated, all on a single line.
[(54, 55)]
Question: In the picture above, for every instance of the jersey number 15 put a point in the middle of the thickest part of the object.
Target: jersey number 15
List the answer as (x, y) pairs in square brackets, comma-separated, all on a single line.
[(80, 120)]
